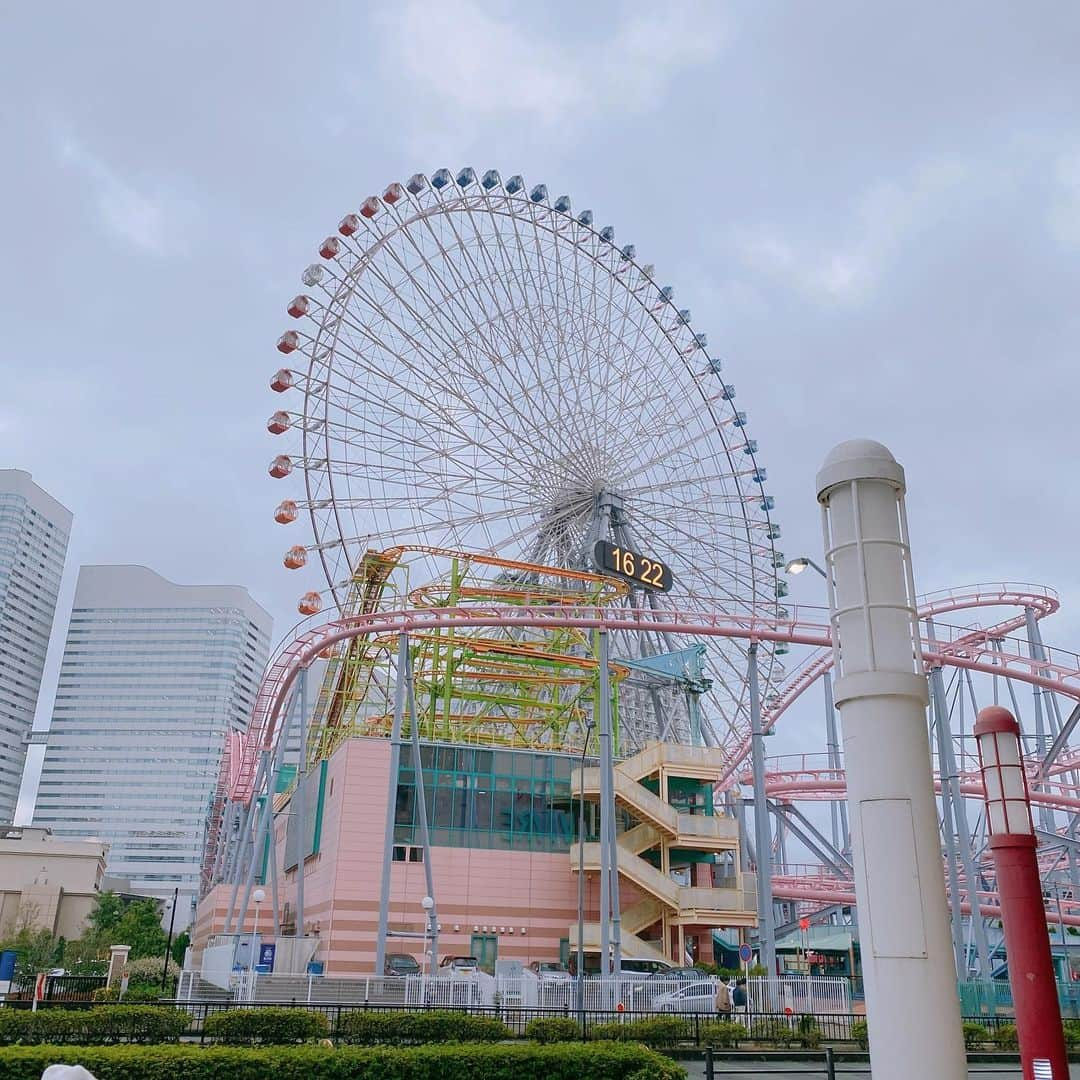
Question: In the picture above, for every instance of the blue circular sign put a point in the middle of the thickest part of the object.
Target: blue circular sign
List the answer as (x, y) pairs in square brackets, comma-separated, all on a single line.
[(745, 953)]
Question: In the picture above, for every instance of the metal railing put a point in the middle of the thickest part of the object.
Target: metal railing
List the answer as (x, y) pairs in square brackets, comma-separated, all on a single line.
[(987, 1001), (60, 987), (833, 1028)]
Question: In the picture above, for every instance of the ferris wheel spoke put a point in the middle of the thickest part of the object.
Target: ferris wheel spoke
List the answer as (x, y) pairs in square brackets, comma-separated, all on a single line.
[(506, 323), (481, 366)]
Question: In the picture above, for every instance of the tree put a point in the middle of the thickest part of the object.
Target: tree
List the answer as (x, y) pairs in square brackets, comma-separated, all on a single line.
[(106, 914), (112, 922), (179, 947), (35, 950), (140, 927)]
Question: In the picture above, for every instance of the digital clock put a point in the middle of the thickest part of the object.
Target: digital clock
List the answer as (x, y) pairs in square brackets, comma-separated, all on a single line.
[(641, 570)]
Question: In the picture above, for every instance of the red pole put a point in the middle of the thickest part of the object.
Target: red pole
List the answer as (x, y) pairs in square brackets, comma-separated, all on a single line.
[(1031, 967), (1023, 915)]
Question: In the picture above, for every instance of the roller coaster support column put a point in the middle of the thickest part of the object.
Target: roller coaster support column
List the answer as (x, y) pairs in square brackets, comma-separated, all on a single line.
[(391, 803), (300, 819), (837, 807), (422, 815), (762, 837), (1023, 916), (881, 692), (607, 764), (610, 943), (958, 841)]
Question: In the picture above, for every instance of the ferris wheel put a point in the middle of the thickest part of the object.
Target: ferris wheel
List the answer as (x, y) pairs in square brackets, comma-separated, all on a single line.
[(481, 368)]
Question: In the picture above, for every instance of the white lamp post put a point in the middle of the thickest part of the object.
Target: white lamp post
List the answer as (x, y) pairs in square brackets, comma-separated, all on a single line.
[(259, 895), (797, 566), (911, 1002), (428, 904)]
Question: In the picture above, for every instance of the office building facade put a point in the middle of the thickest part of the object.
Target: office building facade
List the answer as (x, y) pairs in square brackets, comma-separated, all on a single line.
[(34, 531), (153, 677)]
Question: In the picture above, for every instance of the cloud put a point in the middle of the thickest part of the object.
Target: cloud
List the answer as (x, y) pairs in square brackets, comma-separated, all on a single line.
[(886, 216), (463, 62), (1065, 212), (156, 224)]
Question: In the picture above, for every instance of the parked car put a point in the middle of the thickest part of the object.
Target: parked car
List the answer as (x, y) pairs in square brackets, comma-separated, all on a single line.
[(640, 970), (697, 996), (549, 971), (459, 965), (683, 974), (400, 964)]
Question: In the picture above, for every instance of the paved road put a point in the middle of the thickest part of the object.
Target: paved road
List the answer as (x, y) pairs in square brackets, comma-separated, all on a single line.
[(844, 1071)]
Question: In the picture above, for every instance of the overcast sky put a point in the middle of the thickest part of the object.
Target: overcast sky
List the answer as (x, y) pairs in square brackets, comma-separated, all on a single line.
[(872, 209)]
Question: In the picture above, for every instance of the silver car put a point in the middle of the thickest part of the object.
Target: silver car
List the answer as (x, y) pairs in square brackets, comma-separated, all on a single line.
[(698, 996), (549, 972)]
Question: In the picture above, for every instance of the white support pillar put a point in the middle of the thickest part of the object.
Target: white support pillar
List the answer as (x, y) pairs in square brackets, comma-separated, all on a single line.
[(912, 1006)]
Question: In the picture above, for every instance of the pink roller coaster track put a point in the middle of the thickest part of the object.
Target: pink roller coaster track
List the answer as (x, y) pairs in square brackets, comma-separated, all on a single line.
[(986, 650)]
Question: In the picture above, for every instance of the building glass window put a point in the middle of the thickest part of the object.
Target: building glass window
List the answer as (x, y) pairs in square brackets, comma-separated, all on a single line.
[(503, 799)]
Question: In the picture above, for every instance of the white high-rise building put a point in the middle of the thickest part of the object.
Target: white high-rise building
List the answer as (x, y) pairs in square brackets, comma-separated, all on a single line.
[(153, 676), (34, 530)]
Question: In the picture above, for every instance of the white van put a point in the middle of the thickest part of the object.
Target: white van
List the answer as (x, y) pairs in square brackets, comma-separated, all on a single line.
[(640, 970)]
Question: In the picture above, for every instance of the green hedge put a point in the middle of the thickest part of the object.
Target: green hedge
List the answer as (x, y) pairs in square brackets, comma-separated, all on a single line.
[(101, 1024), (522, 1061), (974, 1035), (660, 1031), (1072, 1033), (723, 1033), (861, 1034), (551, 1029), (276, 1026), (143, 994), (1005, 1037), (412, 1028)]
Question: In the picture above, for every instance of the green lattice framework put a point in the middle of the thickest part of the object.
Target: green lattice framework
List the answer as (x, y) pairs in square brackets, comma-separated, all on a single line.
[(530, 688)]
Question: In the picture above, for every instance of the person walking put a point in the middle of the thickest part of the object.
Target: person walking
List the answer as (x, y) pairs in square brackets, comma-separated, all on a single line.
[(738, 995), (723, 998)]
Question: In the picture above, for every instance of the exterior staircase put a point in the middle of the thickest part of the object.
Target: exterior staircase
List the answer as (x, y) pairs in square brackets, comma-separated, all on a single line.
[(663, 830)]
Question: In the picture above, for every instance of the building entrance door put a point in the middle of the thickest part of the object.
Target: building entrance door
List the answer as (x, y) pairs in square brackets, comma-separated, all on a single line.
[(485, 947)]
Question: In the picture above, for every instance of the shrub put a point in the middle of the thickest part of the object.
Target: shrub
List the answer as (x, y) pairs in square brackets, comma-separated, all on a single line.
[(133, 1023), (147, 970), (106, 1024), (411, 1028), (861, 1034), (1005, 1037), (809, 1032), (723, 1033), (277, 1026), (773, 1031), (551, 1029), (521, 1061), (1072, 1033), (134, 995), (659, 1031), (974, 1035)]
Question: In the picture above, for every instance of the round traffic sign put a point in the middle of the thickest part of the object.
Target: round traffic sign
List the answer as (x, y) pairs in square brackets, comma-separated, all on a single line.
[(745, 952)]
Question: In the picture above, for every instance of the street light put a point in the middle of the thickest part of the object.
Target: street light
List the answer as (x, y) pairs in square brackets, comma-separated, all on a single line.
[(259, 895), (797, 566), (168, 948), (428, 904), (1023, 916), (581, 882)]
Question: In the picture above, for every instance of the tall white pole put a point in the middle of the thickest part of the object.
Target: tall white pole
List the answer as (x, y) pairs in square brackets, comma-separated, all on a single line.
[(912, 1005)]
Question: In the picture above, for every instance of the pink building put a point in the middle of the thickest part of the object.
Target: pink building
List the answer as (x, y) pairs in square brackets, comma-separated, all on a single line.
[(504, 853)]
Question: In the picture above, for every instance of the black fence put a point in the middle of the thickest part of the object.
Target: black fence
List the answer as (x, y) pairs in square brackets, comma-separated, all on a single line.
[(830, 1027), (59, 988)]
